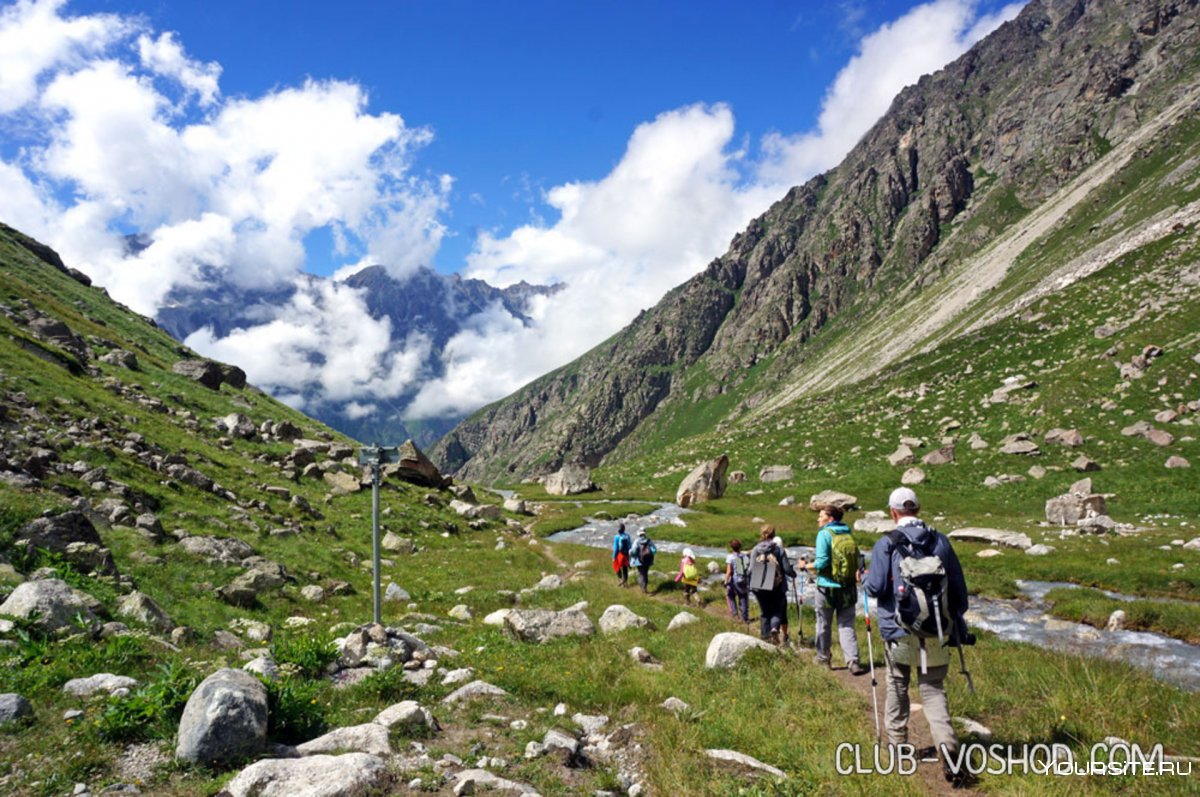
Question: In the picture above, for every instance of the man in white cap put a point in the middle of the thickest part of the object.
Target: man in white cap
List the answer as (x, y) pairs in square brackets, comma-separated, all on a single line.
[(904, 563)]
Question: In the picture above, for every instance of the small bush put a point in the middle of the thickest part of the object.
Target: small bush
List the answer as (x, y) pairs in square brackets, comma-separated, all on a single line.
[(308, 654), (295, 711), (387, 685), (152, 711)]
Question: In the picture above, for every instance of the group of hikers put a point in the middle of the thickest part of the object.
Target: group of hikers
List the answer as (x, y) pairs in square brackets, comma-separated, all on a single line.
[(915, 578)]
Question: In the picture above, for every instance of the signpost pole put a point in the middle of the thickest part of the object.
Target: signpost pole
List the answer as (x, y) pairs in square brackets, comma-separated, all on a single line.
[(375, 457)]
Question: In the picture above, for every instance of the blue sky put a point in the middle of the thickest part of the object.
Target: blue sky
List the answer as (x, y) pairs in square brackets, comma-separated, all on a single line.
[(612, 146)]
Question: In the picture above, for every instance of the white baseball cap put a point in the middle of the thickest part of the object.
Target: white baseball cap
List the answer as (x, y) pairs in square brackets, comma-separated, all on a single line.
[(903, 498)]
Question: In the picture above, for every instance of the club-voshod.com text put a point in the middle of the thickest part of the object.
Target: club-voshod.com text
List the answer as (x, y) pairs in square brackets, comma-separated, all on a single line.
[(1026, 759)]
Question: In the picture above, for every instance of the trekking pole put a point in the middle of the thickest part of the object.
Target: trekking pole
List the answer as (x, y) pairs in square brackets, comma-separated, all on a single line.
[(799, 588), (962, 660), (871, 660)]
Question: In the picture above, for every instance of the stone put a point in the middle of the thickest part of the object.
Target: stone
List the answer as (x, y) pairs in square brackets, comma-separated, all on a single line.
[(516, 506), (458, 676), (461, 612), (1116, 621), (472, 781), (1193, 544), (13, 708), (776, 473), (206, 372), (642, 656), (225, 720), (313, 593), (674, 705), (538, 625), (1159, 437), (1009, 539), (474, 690), (741, 759), (1036, 472), (706, 482), (237, 425), (903, 455), (348, 775), (54, 603), (1096, 524), (789, 500), (942, 456), (682, 619), (1039, 550), (217, 550), (558, 740), (988, 553), (617, 618), (1071, 438), (591, 724), (371, 738), (101, 682), (549, 582), (408, 713), (121, 358), (1166, 416), (414, 467), (343, 482), (497, 617), (844, 501), (737, 477), (1068, 509), (976, 442), (973, 728), (394, 593), (912, 476), (263, 666), (1020, 447), (727, 649), (1177, 462), (874, 525), (571, 479), (141, 608)]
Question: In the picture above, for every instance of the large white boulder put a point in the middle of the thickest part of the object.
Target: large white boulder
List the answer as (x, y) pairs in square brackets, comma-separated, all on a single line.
[(728, 648)]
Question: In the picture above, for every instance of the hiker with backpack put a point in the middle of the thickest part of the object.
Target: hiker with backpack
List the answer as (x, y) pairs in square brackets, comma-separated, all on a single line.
[(737, 586), (689, 574), (642, 557), (921, 596), (620, 555), (769, 571), (836, 569)]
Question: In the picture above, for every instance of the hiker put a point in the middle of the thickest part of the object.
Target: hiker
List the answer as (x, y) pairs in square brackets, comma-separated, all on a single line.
[(836, 569), (897, 561), (620, 555), (689, 574), (769, 571), (642, 557), (737, 589)]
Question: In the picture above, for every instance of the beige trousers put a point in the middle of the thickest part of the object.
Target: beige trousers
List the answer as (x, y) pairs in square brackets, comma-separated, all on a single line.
[(931, 686)]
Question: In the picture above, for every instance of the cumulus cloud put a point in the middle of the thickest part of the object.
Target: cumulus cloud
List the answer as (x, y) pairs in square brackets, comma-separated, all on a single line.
[(672, 203), (166, 57), (323, 344)]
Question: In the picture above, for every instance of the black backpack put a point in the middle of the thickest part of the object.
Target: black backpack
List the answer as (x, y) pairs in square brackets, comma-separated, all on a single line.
[(741, 570), (645, 553)]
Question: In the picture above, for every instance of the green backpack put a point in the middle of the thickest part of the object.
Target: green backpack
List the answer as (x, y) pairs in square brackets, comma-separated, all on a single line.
[(843, 559)]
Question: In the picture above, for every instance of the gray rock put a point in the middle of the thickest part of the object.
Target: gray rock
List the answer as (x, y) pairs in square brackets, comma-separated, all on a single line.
[(236, 425), (976, 442), (14, 707), (100, 682), (224, 720), (414, 467), (1068, 509), (682, 619), (461, 612), (728, 648), (122, 358), (549, 582), (1039, 550), (1071, 438), (217, 550), (349, 775), (1020, 447), (206, 372), (54, 602), (473, 691), (775, 473), (1010, 539), (590, 723), (843, 500), (903, 455), (141, 608), (394, 593), (874, 525), (313, 592), (1085, 464), (406, 713), (674, 705), (470, 781), (1177, 462), (942, 456), (706, 482), (912, 476), (371, 738), (570, 480), (538, 625), (262, 666), (1116, 621), (741, 759), (617, 618)]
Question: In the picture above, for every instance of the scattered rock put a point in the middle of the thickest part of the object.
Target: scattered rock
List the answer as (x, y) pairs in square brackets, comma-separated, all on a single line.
[(1069, 509), (1009, 539), (1116, 621), (682, 619), (470, 781), (775, 473), (988, 553), (741, 759), (705, 483), (942, 456), (570, 480), (224, 720), (976, 442), (728, 648), (1071, 438), (206, 372), (1039, 550), (117, 685), (406, 713), (52, 605), (369, 738), (617, 618), (14, 707), (538, 625), (139, 607), (474, 690), (461, 612), (912, 476), (1177, 462), (349, 775), (903, 455), (674, 705), (843, 500)]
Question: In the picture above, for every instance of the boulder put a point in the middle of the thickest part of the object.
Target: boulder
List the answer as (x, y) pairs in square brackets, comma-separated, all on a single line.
[(408, 713), (942, 456), (516, 505), (122, 358), (912, 476), (1116, 621), (394, 593), (475, 781), (236, 424), (1020, 446), (225, 720), (1009, 539), (348, 775), (674, 705), (682, 619), (617, 618), (473, 691), (56, 532), (705, 483), (843, 501), (538, 625), (54, 603), (141, 608), (1071, 438), (775, 473), (367, 738), (217, 550), (232, 375), (874, 525), (976, 442), (727, 649), (903, 455), (741, 759), (206, 372), (117, 685), (1177, 462), (1085, 464), (343, 482), (14, 707), (1069, 509), (1039, 550), (570, 480), (414, 467), (737, 477)]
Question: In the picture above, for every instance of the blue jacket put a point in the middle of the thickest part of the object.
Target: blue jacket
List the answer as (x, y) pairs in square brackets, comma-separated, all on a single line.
[(636, 560), (621, 544), (885, 566), (824, 556)]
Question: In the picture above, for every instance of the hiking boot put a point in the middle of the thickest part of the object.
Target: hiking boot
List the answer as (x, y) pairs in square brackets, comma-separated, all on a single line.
[(963, 779), (823, 661), (856, 668)]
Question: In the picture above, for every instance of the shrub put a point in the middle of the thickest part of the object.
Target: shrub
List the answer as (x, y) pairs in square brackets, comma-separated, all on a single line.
[(308, 654), (294, 710), (152, 711)]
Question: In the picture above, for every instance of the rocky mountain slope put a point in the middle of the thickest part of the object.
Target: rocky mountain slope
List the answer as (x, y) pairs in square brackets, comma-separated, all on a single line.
[(434, 305), (960, 206)]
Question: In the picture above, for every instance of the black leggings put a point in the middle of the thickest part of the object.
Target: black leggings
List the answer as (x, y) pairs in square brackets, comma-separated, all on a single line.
[(773, 606)]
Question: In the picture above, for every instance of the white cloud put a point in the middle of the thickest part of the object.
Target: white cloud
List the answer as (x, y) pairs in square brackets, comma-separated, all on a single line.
[(35, 39), (164, 56), (323, 343), (669, 207)]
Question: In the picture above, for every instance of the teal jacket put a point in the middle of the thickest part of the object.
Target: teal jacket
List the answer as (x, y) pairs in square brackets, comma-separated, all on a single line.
[(824, 560)]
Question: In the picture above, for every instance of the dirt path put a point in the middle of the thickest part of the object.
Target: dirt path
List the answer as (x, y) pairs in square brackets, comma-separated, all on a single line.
[(918, 729)]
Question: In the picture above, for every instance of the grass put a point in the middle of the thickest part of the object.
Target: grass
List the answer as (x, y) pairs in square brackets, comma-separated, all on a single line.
[(1179, 620)]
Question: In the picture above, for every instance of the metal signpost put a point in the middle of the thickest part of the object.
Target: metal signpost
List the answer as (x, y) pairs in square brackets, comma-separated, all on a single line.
[(376, 457)]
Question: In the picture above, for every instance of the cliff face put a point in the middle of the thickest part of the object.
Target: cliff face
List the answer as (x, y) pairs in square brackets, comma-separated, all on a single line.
[(956, 163)]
